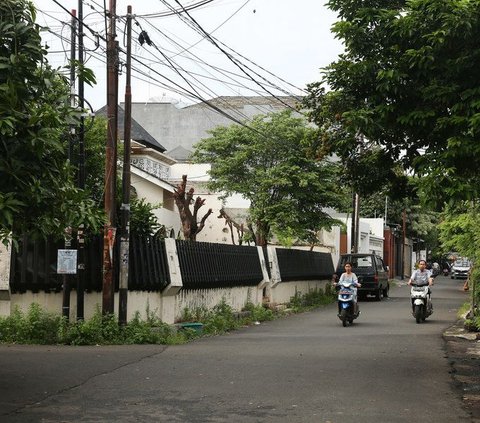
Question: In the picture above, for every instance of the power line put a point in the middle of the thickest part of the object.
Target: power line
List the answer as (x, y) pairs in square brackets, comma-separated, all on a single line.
[(229, 56)]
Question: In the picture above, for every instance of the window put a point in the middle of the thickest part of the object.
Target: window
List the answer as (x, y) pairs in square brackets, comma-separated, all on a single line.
[(168, 201)]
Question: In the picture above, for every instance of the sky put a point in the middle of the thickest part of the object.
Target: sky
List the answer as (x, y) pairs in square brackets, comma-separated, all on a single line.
[(262, 47)]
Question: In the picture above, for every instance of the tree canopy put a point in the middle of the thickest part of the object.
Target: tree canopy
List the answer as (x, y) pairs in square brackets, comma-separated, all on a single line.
[(408, 82), (271, 163), (37, 190)]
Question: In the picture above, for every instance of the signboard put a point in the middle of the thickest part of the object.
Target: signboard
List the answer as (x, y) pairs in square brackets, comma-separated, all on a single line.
[(67, 262)]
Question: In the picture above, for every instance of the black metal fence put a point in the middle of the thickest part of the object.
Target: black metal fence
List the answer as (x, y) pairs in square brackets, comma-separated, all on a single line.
[(203, 265), (34, 265), (148, 264), (304, 265), (208, 265)]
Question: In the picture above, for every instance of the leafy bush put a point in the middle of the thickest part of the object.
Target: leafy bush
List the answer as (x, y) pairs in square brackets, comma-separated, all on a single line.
[(259, 313), (33, 327), (39, 327), (313, 298)]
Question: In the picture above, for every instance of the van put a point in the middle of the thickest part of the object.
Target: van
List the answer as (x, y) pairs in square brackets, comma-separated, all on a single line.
[(371, 272)]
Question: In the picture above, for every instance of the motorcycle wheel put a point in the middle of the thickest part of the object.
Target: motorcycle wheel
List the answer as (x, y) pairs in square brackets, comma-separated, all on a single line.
[(343, 317), (417, 313)]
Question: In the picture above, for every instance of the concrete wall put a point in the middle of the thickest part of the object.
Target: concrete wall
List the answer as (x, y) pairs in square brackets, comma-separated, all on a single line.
[(138, 301), (282, 292), (170, 304)]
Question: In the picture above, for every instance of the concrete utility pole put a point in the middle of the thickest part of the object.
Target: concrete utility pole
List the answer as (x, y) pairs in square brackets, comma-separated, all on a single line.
[(66, 288), (404, 236), (125, 234), (353, 232), (110, 166), (81, 172)]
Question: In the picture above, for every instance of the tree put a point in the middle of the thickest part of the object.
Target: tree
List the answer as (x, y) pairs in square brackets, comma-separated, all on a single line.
[(271, 163), (184, 199), (37, 190), (459, 233), (408, 81)]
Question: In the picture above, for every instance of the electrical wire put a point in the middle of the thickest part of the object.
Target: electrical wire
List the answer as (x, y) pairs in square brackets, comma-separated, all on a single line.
[(173, 86), (230, 57)]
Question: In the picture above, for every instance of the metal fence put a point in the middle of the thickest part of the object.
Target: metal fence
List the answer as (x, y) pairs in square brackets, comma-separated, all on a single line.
[(203, 265), (148, 264), (304, 265), (34, 265), (207, 265)]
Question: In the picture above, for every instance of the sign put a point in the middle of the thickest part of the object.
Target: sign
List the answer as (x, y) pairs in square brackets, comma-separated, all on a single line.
[(67, 262)]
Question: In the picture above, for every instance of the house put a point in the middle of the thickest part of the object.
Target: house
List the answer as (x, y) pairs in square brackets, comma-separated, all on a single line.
[(150, 172), (180, 127)]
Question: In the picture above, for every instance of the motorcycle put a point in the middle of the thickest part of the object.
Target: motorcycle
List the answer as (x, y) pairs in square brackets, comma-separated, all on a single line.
[(348, 309), (421, 302)]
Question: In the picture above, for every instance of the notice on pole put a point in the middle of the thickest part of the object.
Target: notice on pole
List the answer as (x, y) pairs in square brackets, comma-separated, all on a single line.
[(67, 262)]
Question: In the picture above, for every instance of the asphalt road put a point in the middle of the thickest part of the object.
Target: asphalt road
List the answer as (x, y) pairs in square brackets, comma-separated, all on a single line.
[(304, 368)]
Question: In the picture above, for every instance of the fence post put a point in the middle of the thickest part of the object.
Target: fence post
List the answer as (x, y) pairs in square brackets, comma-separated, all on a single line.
[(5, 260), (168, 311), (274, 267)]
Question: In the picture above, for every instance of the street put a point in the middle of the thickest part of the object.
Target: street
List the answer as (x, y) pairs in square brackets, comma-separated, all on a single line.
[(303, 368)]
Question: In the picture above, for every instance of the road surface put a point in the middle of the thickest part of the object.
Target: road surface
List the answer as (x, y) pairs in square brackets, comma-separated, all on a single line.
[(303, 368)]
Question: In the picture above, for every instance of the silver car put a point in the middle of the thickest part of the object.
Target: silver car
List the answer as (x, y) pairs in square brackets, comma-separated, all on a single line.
[(460, 269)]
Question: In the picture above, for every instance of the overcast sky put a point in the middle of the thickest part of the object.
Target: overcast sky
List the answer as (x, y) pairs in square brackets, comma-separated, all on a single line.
[(282, 43)]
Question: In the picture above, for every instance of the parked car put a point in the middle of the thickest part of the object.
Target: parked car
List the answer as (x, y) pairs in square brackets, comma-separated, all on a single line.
[(460, 269), (371, 271)]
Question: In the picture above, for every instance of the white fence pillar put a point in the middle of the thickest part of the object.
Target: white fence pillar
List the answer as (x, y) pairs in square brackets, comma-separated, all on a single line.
[(168, 298), (5, 301)]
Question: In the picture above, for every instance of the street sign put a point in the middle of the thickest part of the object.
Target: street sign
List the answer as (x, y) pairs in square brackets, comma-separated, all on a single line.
[(67, 262)]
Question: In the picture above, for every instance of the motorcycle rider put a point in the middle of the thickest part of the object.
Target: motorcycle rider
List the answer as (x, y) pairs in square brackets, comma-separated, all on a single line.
[(349, 278), (421, 276)]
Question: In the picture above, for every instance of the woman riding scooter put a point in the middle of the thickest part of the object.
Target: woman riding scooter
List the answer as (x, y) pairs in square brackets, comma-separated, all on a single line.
[(347, 278)]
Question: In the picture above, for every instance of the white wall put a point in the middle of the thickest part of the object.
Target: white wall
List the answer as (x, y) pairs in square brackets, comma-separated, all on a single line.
[(282, 292)]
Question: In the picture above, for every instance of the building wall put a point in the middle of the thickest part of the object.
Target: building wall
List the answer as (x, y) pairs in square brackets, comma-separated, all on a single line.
[(175, 126), (155, 194)]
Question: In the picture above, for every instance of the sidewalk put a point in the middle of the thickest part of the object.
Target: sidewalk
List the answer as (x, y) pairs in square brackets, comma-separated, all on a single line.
[(463, 352)]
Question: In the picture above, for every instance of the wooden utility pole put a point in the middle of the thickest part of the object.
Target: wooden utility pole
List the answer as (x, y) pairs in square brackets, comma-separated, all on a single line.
[(125, 210), (110, 166)]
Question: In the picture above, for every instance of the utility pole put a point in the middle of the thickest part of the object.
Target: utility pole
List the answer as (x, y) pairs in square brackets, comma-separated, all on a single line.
[(66, 288), (357, 222), (81, 172), (110, 166), (404, 229), (125, 210), (353, 232)]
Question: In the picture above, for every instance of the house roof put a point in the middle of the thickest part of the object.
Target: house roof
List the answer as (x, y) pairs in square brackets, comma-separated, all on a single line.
[(181, 154), (138, 132), (226, 102)]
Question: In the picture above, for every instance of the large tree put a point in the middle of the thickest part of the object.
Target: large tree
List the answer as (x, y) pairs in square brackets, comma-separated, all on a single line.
[(37, 190), (407, 82), (271, 163)]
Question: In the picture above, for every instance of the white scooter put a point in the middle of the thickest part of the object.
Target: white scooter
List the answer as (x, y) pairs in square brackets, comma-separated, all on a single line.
[(421, 302), (348, 309)]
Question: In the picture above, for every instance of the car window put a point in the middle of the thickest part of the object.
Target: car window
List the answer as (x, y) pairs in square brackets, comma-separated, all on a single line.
[(380, 265), (364, 261), (358, 262)]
